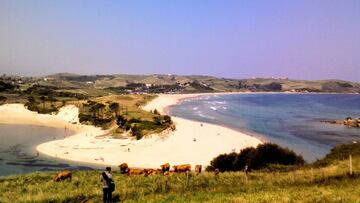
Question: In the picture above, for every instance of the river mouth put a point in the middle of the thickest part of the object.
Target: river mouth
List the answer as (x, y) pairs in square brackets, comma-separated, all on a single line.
[(18, 152)]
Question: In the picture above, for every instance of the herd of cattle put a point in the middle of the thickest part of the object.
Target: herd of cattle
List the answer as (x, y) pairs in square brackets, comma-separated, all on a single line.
[(165, 170), (124, 169)]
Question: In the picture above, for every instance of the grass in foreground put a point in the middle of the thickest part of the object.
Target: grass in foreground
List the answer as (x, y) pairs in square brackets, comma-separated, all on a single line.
[(327, 184)]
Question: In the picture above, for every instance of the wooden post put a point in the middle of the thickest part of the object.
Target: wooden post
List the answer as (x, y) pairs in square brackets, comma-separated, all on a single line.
[(350, 165), (166, 185)]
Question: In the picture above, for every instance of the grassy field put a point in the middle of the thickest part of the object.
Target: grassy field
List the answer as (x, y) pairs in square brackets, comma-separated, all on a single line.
[(308, 184)]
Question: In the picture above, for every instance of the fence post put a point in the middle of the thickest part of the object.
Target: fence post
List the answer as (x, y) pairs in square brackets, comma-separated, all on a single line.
[(350, 165)]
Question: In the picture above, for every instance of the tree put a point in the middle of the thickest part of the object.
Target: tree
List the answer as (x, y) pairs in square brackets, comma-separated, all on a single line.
[(121, 120), (156, 112), (31, 99), (52, 100), (167, 119), (32, 104), (115, 107), (2, 99), (43, 100), (100, 109), (136, 131)]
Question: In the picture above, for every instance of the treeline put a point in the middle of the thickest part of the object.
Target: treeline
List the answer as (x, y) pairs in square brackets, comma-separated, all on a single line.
[(263, 156), (7, 87), (272, 87), (164, 88), (39, 90), (86, 78), (142, 87), (44, 104), (48, 99)]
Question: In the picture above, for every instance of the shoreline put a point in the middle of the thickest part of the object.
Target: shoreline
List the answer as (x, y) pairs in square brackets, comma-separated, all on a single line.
[(192, 142)]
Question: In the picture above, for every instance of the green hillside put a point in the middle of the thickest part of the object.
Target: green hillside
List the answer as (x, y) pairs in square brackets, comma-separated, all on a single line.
[(194, 83), (329, 182)]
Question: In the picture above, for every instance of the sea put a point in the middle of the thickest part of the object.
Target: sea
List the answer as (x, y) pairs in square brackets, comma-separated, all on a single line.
[(18, 153), (290, 120)]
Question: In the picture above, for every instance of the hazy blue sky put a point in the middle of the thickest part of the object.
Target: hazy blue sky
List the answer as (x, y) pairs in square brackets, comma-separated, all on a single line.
[(300, 39)]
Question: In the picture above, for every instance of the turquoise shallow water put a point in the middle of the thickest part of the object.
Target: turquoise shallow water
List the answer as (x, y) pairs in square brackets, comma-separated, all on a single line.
[(291, 120), (18, 150)]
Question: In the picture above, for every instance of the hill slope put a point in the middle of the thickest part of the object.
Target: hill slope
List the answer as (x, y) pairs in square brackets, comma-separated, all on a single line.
[(330, 183), (193, 83)]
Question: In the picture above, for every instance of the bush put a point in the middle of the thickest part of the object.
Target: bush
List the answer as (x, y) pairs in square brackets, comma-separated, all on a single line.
[(225, 162), (156, 112), (7, 87), (167, 119), (256, 158), (339, 152), (274, 154), (136, 131), (121, 120), (2, 99)]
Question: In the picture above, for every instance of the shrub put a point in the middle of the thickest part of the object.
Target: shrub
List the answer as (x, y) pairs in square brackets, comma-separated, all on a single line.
[(225, 162), (167, 119), (156, 112), (2, 99), (121, 120), (256, 158), (136, 131), (339, 152)]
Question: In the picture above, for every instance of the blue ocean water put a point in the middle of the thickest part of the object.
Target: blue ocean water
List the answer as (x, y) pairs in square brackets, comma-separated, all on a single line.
[(290, 120)]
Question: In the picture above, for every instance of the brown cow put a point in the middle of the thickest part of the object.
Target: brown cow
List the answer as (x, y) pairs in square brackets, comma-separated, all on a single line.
[(63, 175), (198, 169), (165, 167), (169, 173), (136, 171), (182, 168), (149, 172), (124, 168)]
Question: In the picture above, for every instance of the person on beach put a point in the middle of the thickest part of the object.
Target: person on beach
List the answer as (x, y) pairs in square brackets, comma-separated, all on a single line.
[(108, 185)]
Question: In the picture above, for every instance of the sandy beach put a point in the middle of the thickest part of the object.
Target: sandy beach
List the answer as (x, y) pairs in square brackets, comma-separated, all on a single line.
[(192, 142)]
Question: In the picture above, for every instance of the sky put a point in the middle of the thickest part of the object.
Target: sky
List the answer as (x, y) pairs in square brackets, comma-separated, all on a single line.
[(307, 39)]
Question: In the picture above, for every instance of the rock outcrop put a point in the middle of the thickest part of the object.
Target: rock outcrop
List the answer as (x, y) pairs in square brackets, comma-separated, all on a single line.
[(347, 122)]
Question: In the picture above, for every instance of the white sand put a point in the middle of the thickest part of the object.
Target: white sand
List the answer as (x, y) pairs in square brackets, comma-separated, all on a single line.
[(177, 147)]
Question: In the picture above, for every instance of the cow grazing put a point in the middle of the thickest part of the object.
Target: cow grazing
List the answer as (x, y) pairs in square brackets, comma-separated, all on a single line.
[(149, 172), (165, 167), (63, 175), (182, 168), (124, 168), (136, 171), (169, 173), (198, 169)]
